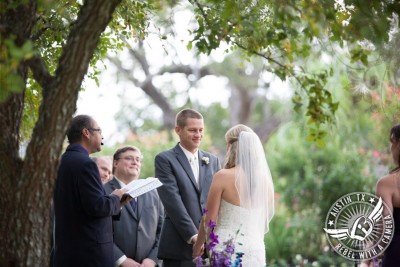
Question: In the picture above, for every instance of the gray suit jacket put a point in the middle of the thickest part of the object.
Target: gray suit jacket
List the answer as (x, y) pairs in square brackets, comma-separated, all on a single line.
[(183, 200), (136, 234)]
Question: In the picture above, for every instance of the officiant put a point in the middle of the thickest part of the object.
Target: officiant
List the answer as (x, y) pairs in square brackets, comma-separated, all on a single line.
[(137, 232)]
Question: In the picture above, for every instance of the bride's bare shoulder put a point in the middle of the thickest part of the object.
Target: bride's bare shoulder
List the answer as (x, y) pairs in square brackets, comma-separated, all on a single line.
[(224, 173), (389, 180)]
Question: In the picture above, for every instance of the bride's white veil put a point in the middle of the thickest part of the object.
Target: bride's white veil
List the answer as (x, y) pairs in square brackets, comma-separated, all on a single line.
[(254, 181)]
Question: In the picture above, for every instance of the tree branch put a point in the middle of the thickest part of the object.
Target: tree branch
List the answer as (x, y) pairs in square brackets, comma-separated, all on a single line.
[(149, 89), (186, 69), (201, 10), (261, 55), (140, 57), (39, 71)]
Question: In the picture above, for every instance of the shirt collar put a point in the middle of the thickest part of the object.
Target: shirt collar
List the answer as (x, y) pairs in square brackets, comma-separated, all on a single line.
[(189, 154)]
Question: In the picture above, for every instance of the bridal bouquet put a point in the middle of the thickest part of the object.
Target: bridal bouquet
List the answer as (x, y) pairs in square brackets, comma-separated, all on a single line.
[(219, 258)]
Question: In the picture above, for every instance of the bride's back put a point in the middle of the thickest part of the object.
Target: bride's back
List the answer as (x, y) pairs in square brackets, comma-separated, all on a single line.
[(229, 193), (395, 180)]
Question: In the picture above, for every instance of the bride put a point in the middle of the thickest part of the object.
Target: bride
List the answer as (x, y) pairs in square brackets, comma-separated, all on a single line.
[(241, 198)]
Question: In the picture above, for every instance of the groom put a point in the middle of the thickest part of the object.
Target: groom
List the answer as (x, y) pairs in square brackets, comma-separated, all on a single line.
[(186, 173)]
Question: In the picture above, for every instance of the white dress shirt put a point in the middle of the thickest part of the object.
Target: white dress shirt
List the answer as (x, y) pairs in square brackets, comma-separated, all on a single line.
[(194, 162)]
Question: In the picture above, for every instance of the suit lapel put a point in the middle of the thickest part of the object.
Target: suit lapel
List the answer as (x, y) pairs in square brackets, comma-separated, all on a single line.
[(202, 169), (139, 206), (114, 184), (180, 155)]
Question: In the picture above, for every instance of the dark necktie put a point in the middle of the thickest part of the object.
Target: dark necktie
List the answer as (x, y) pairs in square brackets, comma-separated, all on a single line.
[(133, 204)]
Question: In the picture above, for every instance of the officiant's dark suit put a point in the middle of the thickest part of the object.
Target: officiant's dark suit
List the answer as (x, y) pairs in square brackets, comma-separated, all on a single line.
[(183, 197), (137, 231), (83, 210)]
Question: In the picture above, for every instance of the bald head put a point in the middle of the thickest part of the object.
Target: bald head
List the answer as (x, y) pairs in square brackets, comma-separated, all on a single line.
[(104, 164)]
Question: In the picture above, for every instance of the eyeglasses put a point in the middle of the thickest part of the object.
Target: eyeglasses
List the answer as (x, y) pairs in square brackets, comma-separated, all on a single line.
[(95, 130), (137, 159)]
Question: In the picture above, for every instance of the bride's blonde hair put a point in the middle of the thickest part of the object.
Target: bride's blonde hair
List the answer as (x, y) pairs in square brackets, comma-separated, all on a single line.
[(231, 138)]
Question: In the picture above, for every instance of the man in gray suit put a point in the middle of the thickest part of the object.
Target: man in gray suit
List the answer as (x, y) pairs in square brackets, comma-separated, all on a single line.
[(137, 232), (186, 173)]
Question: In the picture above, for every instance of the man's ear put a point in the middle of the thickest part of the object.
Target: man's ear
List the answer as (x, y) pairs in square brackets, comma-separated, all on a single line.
[(177, 130), (115, 162), (85, 133)]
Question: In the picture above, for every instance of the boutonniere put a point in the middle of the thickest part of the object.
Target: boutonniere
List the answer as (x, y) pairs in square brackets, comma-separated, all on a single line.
[(205, 160)]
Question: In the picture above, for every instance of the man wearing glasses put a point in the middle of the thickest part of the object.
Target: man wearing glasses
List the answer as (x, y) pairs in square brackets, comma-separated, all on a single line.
[(82, 209), (137, 232)]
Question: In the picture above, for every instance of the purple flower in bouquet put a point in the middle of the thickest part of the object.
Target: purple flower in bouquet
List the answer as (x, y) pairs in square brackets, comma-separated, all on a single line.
[(211, 225), (238, 260), (229, 247), (198, 261), (213, 241), (222, 258)]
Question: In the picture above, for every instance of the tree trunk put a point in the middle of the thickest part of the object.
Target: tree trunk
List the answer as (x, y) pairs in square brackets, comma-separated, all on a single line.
[(17, 22), (27, 185), (243, 101)]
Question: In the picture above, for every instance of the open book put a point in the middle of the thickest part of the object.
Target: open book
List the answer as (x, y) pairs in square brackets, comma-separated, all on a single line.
[(140, 186)]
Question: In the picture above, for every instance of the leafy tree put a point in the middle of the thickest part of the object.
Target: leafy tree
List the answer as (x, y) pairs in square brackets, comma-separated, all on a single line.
[(46, 49), (282, 32)]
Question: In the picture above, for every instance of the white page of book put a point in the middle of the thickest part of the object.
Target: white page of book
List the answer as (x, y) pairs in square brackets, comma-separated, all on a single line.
[(141, 186)]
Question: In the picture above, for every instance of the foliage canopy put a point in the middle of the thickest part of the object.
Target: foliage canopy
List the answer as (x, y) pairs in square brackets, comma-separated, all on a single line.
[(285, 33)]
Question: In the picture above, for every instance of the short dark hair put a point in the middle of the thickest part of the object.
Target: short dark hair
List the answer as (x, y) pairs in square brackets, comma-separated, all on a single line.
[(78, 123), (395, 137), (395, 133), (185, 114)]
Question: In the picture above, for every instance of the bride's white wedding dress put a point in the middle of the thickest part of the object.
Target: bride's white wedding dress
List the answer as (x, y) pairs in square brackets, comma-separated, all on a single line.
[(232, 218)]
